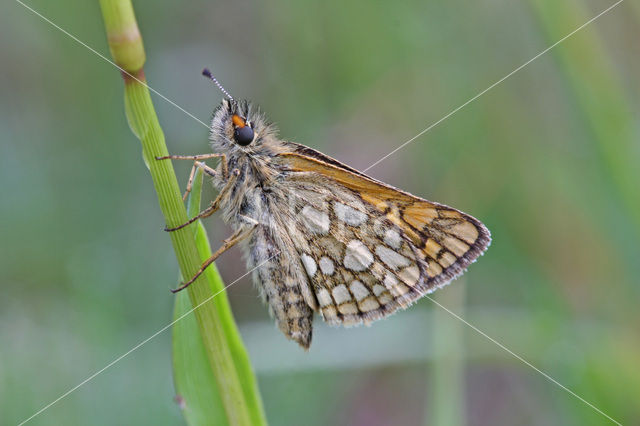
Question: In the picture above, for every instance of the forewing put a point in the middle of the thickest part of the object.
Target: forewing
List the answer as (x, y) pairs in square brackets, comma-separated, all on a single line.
[(367, 247)]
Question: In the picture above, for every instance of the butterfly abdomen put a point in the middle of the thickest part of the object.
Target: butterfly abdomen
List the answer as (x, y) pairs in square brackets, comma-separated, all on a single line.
[(281, 283)]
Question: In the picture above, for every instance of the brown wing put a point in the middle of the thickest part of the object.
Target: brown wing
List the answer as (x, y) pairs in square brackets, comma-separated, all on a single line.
[(436, 242)]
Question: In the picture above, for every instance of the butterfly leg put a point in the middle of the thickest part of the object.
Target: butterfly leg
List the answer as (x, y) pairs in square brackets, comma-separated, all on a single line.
[(238, 236), (197, 164), (215, 204)]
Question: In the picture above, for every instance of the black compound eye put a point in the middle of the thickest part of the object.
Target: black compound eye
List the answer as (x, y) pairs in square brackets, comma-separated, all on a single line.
[(243, 135)]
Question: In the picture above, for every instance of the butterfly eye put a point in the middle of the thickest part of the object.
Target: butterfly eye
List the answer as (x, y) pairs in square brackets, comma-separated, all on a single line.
[(243, 135)]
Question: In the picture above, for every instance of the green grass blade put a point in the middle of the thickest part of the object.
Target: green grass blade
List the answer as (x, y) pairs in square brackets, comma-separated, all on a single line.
[(192, 373), (225, 352), (233, 341), (196, 388)]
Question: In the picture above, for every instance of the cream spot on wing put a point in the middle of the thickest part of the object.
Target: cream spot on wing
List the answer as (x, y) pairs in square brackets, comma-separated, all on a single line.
[(341, 294), (392, 259), (434, 269), (410, 275), (385, 298), (358, 290), (348, 308), (324, 298), (326, 265), (392, 238), (456, 246), (369, 304), (357, 257), (378, 290), (399, 290), (390, 280), (466, 231), (349, 215), (315, 220), (309, 264)]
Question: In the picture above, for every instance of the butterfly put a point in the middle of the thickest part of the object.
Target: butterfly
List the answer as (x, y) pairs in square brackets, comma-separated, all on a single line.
[(320, 236)]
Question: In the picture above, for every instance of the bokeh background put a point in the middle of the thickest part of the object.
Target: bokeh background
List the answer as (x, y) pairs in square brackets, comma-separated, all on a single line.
[(549, 160)]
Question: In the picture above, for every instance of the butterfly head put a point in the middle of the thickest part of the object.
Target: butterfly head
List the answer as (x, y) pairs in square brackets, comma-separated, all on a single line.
[(238, 127), (240, 130)]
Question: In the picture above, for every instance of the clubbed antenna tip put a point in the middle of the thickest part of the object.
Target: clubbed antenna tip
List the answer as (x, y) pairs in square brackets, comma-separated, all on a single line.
[(210, 76)]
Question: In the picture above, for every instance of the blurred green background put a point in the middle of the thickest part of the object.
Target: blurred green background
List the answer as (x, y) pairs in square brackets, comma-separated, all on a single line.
[(549, 160)]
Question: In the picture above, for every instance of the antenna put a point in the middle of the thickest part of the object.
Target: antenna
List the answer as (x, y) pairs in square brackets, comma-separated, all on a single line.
[(208, 74)]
